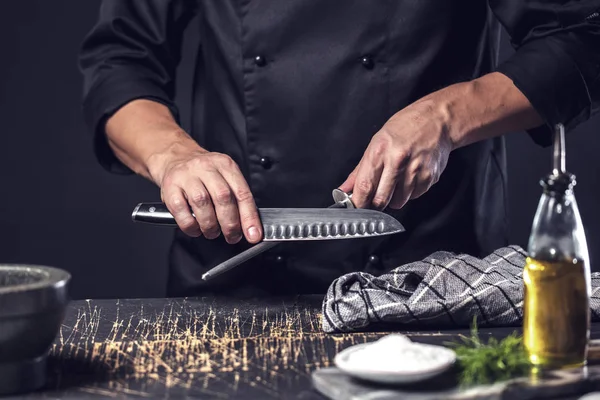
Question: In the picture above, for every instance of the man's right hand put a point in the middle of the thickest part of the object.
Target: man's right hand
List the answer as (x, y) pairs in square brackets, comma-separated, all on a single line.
[(144, 136), (212, 185)]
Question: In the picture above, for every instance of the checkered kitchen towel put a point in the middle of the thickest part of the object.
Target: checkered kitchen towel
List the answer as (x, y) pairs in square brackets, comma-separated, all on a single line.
[(443, 290)]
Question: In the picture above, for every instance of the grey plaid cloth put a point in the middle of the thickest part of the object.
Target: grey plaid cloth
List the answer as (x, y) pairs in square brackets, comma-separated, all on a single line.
[(443, 290)]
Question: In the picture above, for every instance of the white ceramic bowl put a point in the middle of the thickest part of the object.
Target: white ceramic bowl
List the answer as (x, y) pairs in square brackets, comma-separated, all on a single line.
[(402, 371)]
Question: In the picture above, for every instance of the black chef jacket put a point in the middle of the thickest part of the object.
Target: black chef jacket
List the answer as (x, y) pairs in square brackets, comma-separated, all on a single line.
[(293, 91)]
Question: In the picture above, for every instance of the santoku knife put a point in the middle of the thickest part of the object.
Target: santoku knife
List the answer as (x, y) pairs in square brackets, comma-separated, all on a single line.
[(339, 221)]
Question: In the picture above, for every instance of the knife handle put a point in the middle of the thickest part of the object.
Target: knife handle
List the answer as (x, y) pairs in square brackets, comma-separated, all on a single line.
[(159, 214), (153, 213)]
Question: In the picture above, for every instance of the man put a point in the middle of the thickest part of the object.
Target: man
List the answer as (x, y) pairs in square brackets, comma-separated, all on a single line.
[(400, 102)]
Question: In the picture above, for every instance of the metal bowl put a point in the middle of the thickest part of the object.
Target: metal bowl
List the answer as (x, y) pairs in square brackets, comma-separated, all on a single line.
[(33, 300)]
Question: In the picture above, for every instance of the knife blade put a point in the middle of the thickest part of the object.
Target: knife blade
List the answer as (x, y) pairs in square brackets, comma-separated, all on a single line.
[(297, 224)]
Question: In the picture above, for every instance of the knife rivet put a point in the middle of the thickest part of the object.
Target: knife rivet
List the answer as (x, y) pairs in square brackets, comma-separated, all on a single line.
[(152, 209)]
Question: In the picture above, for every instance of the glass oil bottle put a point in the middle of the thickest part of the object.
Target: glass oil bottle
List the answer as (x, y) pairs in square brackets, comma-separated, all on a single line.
[(556, 310)]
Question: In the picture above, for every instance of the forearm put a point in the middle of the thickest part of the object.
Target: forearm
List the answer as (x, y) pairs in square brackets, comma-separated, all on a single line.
[(483, 108), (143, 133)]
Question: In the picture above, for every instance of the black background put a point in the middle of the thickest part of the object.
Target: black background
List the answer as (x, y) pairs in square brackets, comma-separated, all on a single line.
[(59, 208)]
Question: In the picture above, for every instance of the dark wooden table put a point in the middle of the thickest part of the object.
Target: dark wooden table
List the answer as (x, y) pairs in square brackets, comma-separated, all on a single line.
[(199, 348)]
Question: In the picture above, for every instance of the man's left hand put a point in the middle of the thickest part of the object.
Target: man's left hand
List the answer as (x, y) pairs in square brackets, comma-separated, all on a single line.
[(403, 160), (408, 155)]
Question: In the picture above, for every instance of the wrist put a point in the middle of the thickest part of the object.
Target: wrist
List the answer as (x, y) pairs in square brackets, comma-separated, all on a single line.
[(451, 106), (484, 108), (440, 109), (174, 145)]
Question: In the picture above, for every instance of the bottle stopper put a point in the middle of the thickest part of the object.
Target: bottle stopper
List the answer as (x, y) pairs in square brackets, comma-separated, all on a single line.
[(559, 150), (559, 181)]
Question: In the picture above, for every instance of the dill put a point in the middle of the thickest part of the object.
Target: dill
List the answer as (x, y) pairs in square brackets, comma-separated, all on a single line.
[(491, 362)]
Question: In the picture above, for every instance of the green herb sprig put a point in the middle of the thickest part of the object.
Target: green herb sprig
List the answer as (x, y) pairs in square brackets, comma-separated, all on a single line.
[(494, 361)]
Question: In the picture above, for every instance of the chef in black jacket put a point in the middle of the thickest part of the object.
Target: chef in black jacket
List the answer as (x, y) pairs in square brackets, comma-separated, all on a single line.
[(400, 101)]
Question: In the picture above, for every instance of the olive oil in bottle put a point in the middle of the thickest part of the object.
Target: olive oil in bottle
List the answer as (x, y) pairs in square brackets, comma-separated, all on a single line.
[(556, 311)]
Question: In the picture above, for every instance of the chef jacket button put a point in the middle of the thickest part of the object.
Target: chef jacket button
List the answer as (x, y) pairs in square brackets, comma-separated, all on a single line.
[(266, 162), (367, 62), (260, 61), (374, 261), (279, 259)]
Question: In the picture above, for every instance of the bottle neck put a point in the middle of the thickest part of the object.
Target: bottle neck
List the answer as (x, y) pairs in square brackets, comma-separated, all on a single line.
[(558, 184), (557, 233)]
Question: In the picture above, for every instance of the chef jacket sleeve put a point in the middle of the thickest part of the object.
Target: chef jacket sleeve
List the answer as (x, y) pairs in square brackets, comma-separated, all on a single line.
[(557, 60), (131, 53)]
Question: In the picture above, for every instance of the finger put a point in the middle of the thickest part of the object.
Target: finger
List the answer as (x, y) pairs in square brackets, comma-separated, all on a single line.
[(403, 191), (424, 183), (385, 188), (177, 204), (202, 206), (419, 191), (225, 206), (248, 213), (365, 184), (348, 184)]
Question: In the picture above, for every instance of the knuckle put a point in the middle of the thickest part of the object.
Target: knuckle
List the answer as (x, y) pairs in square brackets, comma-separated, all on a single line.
[(198, 163), (167, 181), (177, 204), (209, 225), (224, 160), (223, 196), (380, 147), (200, 199), (400, 158), (379, 202), (416, 168), (232, 232), (228, 162), (231, 229), (243, 195), (187, 224), (364, 185)]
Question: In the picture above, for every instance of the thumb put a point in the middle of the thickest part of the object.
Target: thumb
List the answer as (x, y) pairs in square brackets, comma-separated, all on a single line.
[(348, 184)]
